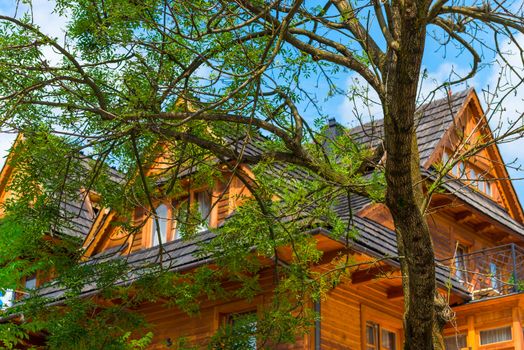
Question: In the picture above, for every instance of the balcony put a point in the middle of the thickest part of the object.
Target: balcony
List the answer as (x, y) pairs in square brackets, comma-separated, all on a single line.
[(490, 272)]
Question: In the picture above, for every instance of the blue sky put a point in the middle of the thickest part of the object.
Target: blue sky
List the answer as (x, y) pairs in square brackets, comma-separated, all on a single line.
[(439, 64)]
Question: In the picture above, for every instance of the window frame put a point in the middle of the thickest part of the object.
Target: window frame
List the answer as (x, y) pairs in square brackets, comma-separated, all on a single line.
[(172, 205), (383, 321), (224, 311), (462, 272), (455, 334), (23, 292), (495, 344)]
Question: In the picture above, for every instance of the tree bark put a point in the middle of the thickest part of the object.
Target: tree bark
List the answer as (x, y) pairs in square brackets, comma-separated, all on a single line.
[(404, 193)]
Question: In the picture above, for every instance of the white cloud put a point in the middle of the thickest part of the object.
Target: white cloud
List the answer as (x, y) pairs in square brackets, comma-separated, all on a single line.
[(446, 72), (50, 23), (43, 14), (504, 95), (6, 141), (361, 103), (354, 106)]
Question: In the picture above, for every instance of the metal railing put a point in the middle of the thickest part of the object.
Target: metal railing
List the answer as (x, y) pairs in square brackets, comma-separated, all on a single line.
[(489, 272)]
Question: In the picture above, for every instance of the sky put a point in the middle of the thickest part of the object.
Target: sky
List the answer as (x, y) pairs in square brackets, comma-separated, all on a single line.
[(438, 63)]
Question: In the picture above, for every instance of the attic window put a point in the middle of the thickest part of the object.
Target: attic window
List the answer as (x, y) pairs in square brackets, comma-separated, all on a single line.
[(459, 168), (160, 225), (203, 200), (169, 219), (475, 178)]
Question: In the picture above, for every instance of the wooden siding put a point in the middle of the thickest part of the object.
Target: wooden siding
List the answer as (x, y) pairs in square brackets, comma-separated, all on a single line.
[(170, 322), (473, 318)]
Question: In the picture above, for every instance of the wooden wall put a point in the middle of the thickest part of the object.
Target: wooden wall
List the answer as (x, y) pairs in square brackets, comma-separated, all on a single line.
[(170, 322), (348, 307), (343, 312), (489, 314)]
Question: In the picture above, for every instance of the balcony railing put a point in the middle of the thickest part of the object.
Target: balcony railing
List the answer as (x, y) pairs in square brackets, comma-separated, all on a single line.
[(490, 272)]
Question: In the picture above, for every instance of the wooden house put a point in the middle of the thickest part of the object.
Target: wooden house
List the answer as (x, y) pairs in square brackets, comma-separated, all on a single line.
[(476, 222)]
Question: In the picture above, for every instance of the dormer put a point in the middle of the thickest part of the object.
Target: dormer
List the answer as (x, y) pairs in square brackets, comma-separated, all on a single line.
[(192, 209)]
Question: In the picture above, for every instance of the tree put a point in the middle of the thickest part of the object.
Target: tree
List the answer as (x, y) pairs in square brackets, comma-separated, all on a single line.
[(130, 75)]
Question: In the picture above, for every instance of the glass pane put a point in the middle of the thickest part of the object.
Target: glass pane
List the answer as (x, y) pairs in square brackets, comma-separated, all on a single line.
[(204, 204), (487, 188), (6, 298), (462, 169), (371, 335), (460, 264), (244, 327), (30, 283), (161, 219), (473, 178), (445, 157), (496, 335), (456, 342), (204, 208), (181, 212), (389, 340)]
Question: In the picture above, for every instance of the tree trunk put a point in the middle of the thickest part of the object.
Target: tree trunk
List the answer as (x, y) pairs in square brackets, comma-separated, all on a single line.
[(404, 189)]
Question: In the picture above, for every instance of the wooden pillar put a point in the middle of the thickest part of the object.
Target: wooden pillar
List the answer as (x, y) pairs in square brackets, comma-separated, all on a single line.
[(517, 328), (472, 334)]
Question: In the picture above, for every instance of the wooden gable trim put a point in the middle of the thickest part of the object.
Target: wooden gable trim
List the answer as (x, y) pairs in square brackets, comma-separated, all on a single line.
[(507, 193), (512, 203), (97, 232), (7, 169), (447, 134)]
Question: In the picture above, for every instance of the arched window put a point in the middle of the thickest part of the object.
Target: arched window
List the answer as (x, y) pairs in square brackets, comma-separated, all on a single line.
[(160, 225)]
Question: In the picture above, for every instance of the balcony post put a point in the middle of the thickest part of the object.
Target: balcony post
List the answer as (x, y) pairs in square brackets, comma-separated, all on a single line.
[(514, 260)]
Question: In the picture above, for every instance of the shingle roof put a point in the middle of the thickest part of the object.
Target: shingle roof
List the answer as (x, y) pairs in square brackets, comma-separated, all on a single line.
[(76, 219), (374, 240), (434, 118), (176, 255)]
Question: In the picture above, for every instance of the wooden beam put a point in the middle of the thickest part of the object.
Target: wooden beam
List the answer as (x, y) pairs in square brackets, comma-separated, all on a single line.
[(484, 227), (441, 201), (371, 274), (395, 293), (463, 216)]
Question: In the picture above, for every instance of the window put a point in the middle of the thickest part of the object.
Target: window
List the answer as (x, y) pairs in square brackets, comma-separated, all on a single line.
[(473, 178), (496, 335), (29, 284), (445, 157), (461, 271), (484, 185), (462, 169), (371, 336), (456, 342), (487, 188), (388, 340), (240, 331), (180, 216), (169, 218), (160, 226), (378, 338), (203, 200)]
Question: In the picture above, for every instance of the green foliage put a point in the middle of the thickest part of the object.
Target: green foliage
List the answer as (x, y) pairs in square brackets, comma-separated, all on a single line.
[(138, 79)]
